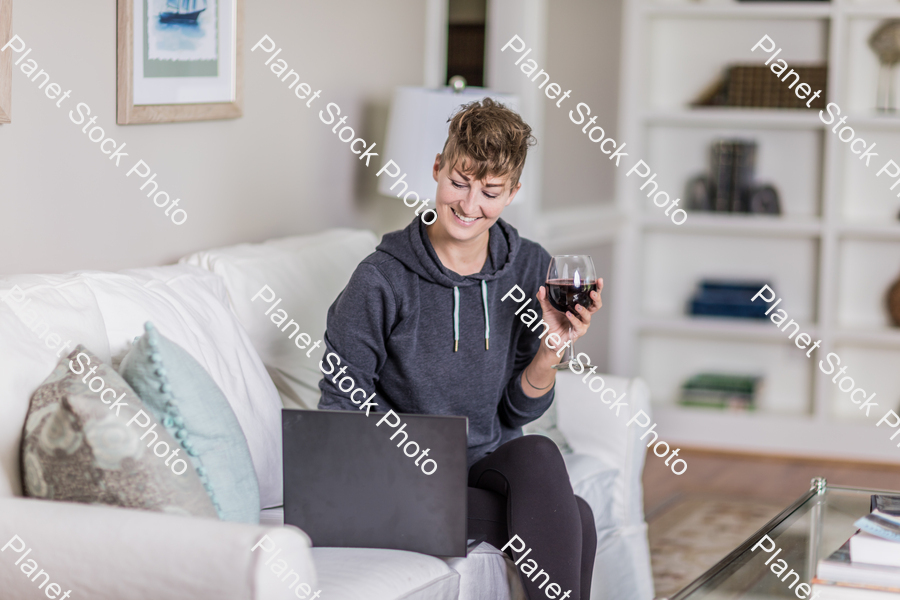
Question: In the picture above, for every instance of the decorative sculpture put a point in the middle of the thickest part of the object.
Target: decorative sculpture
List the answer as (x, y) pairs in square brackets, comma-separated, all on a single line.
[(885, 42)]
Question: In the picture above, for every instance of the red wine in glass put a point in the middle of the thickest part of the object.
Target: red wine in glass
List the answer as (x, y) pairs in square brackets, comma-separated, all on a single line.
[(564, 294), (570, 280)]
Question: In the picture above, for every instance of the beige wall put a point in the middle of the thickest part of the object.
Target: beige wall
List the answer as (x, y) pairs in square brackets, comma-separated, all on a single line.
[(583, 53), (276, 171)]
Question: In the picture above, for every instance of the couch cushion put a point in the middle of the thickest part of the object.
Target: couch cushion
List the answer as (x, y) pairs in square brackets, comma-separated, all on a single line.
[(191, 306), (487, 574), (373, 574), (77, 448), (189, 404), (39, 314), (307, 273)]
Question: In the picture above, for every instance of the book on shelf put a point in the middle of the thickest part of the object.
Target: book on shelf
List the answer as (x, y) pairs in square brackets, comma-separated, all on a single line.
[(744, 167), (722, 163), (718, 390), (727, 298), (732, 163)]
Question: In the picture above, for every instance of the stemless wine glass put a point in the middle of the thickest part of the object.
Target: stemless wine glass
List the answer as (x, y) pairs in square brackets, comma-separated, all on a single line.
[(570, 280)]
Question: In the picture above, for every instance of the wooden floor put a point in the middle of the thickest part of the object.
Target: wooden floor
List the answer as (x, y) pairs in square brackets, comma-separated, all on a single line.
[(771, 479)]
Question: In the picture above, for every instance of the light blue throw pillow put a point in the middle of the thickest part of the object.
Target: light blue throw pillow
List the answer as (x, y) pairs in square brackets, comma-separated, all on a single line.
[(189, 404)]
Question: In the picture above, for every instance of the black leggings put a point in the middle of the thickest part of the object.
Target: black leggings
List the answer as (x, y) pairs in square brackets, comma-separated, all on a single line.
[(522, 488)]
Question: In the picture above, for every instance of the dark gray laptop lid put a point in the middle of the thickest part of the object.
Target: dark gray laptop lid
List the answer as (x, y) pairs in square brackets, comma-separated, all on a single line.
[(347, 484)]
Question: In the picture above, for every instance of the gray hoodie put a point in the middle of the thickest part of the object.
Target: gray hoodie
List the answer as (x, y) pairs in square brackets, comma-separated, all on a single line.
[(398, 321)]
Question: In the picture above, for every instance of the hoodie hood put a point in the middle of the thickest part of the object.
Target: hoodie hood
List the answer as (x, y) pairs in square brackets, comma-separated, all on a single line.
[(412, 247)]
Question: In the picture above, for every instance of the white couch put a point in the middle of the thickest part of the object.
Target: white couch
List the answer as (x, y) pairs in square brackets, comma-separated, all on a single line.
[(205, 306)]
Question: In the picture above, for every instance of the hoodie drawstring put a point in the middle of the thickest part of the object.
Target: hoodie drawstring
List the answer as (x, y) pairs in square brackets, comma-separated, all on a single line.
[(455, 318), (487, 318)]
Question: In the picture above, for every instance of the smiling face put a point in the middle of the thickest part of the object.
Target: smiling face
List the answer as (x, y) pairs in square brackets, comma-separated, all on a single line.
[(468, 207)]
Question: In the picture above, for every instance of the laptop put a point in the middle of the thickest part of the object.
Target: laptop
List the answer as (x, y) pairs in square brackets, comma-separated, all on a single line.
[(347, 484)]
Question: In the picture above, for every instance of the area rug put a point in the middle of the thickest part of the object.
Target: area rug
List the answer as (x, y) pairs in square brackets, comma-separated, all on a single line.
[(694, 533)]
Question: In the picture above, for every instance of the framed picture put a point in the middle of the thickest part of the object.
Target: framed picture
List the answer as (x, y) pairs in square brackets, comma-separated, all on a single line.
[(179, 60), (5, 62)]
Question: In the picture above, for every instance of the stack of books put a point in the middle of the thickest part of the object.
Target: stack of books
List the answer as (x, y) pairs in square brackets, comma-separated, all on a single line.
[(867, 566), (728, 298), (730, 185), (717, 390), (732, 163)]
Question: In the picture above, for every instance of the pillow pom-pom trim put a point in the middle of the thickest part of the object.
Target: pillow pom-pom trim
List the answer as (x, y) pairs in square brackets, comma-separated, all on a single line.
[(173, 420)]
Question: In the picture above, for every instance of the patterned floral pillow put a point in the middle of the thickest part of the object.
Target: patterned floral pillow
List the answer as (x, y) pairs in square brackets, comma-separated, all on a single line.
[(88, 438)]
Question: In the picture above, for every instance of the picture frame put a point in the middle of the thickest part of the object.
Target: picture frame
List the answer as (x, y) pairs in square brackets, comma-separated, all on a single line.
[(179, 60), (6, 62)]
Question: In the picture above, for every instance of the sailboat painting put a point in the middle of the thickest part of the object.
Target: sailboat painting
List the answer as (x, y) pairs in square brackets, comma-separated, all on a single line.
[(178, 60), (182, 30), (182, 11)]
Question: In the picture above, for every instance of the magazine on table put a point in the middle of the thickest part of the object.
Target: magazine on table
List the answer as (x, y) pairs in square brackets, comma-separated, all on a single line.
[(880, 524), (839, 568)]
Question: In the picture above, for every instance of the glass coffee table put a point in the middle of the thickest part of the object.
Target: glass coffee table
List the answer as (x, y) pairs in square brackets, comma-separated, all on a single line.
[(810, 529)]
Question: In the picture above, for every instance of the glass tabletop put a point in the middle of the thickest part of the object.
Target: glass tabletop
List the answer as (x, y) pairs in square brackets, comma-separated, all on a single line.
[(813, 527)]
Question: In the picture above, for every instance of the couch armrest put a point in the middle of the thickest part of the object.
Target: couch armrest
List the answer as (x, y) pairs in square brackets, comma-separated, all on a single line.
[(109, 553), (592, 428)]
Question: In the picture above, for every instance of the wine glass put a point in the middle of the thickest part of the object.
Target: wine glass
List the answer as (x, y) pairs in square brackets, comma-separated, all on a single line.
[(570, 280)]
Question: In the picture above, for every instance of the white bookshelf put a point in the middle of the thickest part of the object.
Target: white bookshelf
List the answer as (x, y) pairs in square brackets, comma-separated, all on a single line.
[(831, 255)]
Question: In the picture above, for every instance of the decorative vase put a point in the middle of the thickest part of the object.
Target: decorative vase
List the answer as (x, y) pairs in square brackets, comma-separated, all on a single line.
[(893, 303)]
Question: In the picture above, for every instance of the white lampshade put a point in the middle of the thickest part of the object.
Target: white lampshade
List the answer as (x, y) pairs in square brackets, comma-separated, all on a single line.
[(417, 130)]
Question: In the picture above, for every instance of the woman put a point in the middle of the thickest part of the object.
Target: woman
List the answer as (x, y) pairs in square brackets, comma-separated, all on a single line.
[(422, 322)]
